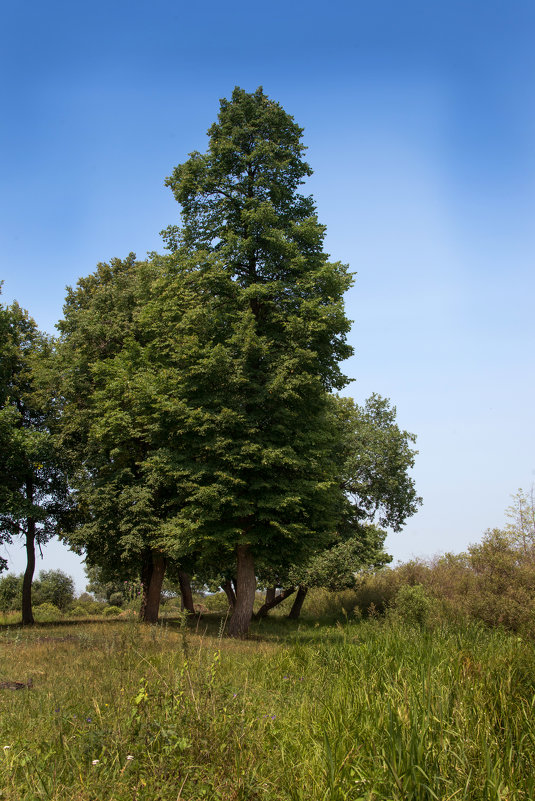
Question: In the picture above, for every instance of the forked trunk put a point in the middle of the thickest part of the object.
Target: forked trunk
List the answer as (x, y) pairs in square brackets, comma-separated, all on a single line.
[(245, 593), (185, 591), (27, 613), (154, 590), (295, 611), (278, 599), (229, 592)]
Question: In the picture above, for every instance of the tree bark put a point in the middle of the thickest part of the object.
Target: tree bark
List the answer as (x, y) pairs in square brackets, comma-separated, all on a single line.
[(185, 591), (154, 591), (278, 599), (27, 612), (295, 611), (270, 595), (145, 577), (229, 592), (245, 595)]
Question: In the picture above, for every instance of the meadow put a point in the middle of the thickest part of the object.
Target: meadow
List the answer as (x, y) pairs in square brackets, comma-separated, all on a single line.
[(345, 710)]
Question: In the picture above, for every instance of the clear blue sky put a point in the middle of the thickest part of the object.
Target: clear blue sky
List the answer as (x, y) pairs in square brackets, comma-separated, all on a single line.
[(420, 123)]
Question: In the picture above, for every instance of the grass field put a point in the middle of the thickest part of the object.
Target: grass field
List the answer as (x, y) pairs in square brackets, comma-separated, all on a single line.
[(355, 710)]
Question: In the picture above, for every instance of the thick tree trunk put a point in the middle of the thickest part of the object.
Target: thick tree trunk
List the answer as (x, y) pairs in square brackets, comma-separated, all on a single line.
[(229, 592), (185, 591), (278, 599), (245, 595), (154, 591), (27, 613), (295, 611)]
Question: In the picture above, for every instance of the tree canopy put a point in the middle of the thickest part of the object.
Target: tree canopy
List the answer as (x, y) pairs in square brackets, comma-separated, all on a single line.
[(195, 391)]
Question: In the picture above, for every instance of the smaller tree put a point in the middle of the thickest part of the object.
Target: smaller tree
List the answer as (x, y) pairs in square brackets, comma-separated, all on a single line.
[(55, 587), (521, 516), (34, 494), (10, 592)]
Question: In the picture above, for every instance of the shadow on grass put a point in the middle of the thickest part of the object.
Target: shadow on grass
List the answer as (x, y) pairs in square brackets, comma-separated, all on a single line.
[(208, 624)]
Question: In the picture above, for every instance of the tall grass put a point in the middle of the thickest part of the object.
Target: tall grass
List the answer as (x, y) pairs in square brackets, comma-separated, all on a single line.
[(380, 711)]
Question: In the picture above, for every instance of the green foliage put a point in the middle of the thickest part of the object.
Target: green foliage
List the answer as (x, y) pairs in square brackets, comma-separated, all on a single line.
[(33, 488), (494, 582), (412, 604), (55, 587), (78, 610), (116, 599), (52, 586), (111, 611), (375, 464), (101, 588), (195, 385), (47, 612), (10, 592)]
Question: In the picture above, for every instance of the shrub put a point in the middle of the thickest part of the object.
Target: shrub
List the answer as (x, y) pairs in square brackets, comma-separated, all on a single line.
[(109, 611), (412, 604), (217, 602), (116, 599), (78, 611), (46, 612)]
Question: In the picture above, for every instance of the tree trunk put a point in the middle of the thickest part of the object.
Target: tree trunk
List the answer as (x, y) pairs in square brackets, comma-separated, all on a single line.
[(295, 611), (27, 613), (154, 592), (145, 577), (245, 595), (270, 595), (278, 599), (185, 591), (229, 592)]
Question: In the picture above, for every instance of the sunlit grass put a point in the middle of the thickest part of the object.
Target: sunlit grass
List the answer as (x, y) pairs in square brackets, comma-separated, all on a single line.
[(359, 710)]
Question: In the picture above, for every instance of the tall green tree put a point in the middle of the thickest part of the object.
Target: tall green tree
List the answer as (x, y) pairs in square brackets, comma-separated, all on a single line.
[(262, 481), (34, 499)]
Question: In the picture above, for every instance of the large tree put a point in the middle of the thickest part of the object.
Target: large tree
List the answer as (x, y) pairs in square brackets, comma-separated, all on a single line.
[(34, 495), (264, 483)]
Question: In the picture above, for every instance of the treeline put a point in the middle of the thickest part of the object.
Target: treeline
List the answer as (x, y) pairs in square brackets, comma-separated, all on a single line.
[(186, 421)]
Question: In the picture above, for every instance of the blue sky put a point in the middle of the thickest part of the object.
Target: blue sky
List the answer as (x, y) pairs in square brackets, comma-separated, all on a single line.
[(420, 120)]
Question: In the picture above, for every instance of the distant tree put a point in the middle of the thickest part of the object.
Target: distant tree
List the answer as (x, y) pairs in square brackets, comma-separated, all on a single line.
[(100, 587), (10, 592), (521, 516), (34, 493), (55, 587)]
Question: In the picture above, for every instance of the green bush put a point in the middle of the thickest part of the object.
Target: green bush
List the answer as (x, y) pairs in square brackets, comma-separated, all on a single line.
[(116, 599), (109, 611), (217, 602), (412, 605), (78, 611), (46, 612)]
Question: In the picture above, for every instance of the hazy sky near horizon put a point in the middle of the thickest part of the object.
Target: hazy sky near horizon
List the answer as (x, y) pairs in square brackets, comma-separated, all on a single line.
[(420, 123)]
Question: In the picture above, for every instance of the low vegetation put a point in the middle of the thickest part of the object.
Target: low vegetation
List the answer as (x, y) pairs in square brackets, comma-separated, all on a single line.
[(380, 709)]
